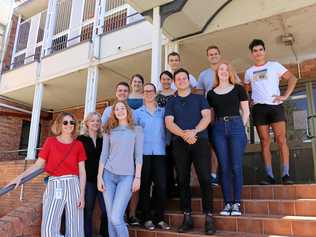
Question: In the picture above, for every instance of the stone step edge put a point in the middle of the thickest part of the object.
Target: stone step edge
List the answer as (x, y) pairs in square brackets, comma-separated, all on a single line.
[(252, 216), (198, 232), (254, 200), (269, 185)]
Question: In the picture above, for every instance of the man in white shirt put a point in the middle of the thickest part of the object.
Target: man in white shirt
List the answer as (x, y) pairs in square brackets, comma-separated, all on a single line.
[(174, 62), (264, 78)]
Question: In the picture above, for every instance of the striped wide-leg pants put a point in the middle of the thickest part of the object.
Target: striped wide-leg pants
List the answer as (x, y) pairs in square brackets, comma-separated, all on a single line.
[(62, 193)]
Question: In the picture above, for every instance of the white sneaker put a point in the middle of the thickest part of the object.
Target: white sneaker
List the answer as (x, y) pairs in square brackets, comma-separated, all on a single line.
[(226, 211), (235, 211)]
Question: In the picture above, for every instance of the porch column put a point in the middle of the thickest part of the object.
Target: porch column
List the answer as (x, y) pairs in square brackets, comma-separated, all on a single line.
[(91, 89), (169, 48), (156, 47), (35, 121), (49, 27), (312, 122)]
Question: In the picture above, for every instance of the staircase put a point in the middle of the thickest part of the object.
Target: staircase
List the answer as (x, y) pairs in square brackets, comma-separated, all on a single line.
[(276, 210)]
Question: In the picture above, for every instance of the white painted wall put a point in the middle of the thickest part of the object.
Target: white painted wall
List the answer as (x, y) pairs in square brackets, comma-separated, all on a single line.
[(22, 77), (66, 61), (127, 41)]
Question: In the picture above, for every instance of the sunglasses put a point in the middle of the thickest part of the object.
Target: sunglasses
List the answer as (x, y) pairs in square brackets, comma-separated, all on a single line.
[(71, 122)]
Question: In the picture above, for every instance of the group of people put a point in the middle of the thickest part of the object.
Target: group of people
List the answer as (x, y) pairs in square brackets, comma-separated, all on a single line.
[(126, 157)]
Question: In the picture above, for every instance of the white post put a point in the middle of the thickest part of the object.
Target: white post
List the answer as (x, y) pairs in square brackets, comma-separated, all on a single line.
[(49, 27), (99, 16), (97, 28), (75, 21), (35, 121), (156, 47), (169, 48), (91, 89), (32, 38)]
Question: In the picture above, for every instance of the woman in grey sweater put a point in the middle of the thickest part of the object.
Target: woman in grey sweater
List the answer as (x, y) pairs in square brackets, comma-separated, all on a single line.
[(120, 165)]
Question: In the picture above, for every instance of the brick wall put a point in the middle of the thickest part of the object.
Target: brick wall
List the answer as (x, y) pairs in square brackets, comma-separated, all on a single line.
[(23, 218), (32, 190), (79, 111), (8, 51), (11, 127), (24, 221)]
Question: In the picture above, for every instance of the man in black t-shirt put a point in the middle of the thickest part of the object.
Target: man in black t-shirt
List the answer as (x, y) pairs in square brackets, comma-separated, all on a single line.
[(187, 116)]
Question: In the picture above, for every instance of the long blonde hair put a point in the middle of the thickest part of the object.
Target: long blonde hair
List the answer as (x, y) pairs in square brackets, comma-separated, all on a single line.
[(57, 124), (113, 121), (85, 129), (232, 74)]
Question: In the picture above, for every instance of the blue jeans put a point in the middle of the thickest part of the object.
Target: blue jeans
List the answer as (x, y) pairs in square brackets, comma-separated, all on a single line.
[(118, 192), (91, 195), (229, 139)]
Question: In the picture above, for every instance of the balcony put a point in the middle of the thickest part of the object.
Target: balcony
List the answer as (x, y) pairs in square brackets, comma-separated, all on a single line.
[(25, 76), (70, 45), (65, 61)]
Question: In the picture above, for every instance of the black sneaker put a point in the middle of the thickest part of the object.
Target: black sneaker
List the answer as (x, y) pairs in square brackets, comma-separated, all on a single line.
[(268, 180), (214, 182), (235, 211), (209, 227), (286, 180), (133, 221), (149, 225), (163, 225), (187, 223)]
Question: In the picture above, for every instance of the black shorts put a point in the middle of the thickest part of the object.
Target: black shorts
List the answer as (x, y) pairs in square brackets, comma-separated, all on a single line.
[(264, 114)]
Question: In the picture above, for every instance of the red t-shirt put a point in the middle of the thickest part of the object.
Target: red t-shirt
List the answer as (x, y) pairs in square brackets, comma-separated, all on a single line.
[(54, 152)]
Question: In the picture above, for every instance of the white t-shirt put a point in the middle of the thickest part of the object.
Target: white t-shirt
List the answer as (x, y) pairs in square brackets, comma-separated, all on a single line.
[(265, 81)]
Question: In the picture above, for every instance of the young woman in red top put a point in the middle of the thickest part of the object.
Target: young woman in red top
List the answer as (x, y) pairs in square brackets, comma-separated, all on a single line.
[(63, 159)]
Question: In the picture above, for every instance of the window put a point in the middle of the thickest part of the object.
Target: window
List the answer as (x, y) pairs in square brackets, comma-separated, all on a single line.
[(59, 43), (115, 21), (19, 60), (86, 32), (63, 16), (24, 140), (88, 11), (23, 35)]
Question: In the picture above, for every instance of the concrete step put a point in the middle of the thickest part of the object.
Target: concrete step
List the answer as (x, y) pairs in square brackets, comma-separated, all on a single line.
[(275, 192), (299, 207), (255, 224)]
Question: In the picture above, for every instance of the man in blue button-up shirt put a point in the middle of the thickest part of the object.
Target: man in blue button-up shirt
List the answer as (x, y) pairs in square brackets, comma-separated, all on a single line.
[(151, 117)]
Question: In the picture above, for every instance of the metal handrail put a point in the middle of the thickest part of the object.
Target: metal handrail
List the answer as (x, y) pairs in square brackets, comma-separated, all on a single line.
[(24, 180)]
